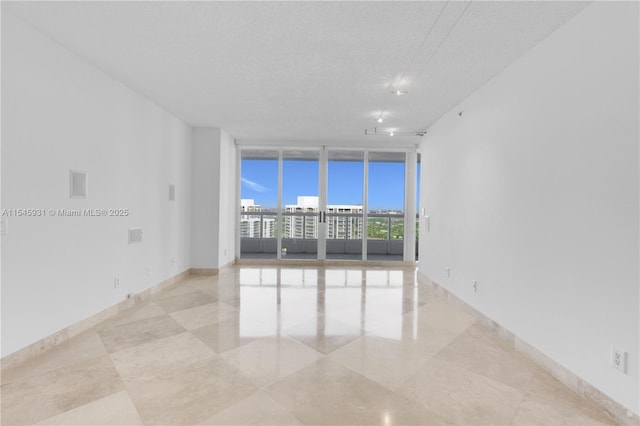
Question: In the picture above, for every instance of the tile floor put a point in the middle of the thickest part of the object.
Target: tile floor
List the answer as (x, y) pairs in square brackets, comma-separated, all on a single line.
[(285, 346)]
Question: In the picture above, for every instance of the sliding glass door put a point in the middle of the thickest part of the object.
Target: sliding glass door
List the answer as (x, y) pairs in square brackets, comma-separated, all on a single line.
[(345, 214), (334, 204), (300, 204), (385, 214)]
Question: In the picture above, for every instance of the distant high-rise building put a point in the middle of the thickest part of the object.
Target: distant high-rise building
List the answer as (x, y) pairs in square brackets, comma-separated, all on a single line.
[(338, 227), (256, 225)]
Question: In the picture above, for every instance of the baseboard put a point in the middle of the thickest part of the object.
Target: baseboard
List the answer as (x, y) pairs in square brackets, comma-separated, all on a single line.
[(55, 339), (205, 271), (212, 271), (616, 411)]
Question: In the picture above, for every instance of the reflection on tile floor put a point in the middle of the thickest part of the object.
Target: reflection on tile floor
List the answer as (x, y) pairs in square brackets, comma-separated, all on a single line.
[(290, 345)]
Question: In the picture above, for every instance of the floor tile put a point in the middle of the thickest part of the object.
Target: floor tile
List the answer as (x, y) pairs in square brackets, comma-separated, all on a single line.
[(200, 316), (267, 360), (140, 312), (83, 347), (230, 334), (57, 391), (389, 362), (185, 301), (325, 393), (324, 334), (461, 396), (145, 362), (256, 409), (114, 410), (135, 333), (492, 357), (547, 401), (191, 393)]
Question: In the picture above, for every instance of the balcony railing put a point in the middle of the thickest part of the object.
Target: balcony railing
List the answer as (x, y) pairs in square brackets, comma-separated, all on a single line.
[(259, 230)]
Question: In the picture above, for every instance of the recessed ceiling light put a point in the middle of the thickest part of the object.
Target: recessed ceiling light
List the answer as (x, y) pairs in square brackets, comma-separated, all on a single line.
[(380, 119), (390, 133), (399, 92)]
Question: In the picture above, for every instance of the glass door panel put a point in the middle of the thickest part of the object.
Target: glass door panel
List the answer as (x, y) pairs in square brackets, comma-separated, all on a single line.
[(300, 204), (258, 204), (344, 214), (385, 197)]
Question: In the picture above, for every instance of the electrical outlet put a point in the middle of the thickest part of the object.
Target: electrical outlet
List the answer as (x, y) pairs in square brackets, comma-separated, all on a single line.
[(447, 272), (619, 359), (475, 286), (129, 295)]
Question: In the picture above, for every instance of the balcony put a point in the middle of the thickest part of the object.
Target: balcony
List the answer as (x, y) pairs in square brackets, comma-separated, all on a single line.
[(385, 236)]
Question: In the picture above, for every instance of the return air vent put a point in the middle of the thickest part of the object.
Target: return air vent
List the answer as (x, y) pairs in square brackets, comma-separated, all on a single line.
[(77, 184), (135, 235), (172, 192)]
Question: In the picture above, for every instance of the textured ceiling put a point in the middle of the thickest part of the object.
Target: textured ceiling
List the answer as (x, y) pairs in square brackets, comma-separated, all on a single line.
[(300, 72)]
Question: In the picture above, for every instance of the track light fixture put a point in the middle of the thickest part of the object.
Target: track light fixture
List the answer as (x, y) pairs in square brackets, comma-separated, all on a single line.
[(392, 133), (399, 92)]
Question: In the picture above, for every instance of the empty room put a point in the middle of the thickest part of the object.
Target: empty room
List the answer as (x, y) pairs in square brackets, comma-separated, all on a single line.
[(320, 213)]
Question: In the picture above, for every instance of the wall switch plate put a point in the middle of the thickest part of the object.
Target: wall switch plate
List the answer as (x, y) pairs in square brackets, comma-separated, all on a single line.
[(4, 226), (427, 224), (116, 282), (447, 272), (619, 359), (475, 286)]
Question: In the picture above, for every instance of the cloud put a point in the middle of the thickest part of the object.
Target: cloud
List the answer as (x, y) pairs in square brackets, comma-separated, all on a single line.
[(254, 186)]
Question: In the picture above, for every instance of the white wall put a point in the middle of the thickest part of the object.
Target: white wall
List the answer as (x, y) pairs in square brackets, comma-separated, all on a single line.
[(214, 198), (228, 207), (534, 193), (60, 113), (205, 175)]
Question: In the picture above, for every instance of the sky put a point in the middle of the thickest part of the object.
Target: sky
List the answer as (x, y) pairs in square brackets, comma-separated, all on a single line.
[(345, 182)]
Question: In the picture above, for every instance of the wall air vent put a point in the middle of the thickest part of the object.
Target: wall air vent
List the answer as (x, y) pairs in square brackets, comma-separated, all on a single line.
[(77, 184), (135, 235), (172, 192)]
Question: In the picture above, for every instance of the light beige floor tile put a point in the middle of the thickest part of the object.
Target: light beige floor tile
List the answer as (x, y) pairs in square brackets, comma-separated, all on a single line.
[(83, 347), (179, 289), (191, 393), (267, 360), (256, 409), (366, 318), (200, 316), (389, 362), (324, 334), (115, 409), (329, 394), (435, 324), (185, 301), (135, 333), (230, 334), (53, 392), (147, 310), (461, 396), (549, 402), (145, 362), (482, 352)]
